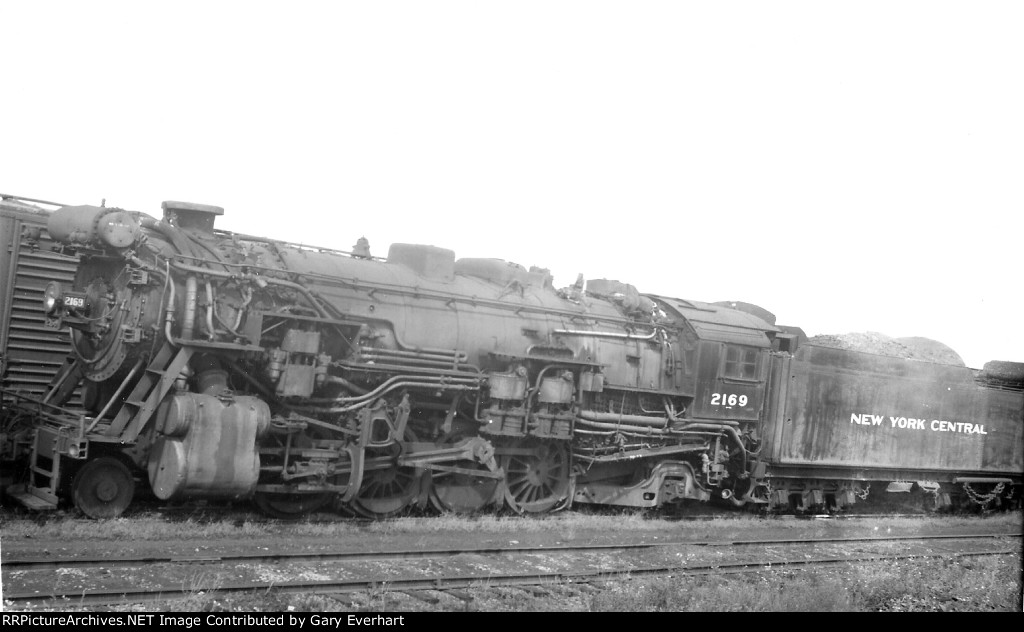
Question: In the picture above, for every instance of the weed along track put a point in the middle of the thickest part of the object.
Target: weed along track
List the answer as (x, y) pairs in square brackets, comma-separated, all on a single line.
[(429, 576)]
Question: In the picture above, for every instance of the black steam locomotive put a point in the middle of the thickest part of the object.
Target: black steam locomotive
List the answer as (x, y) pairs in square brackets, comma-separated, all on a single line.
[(220, 365)]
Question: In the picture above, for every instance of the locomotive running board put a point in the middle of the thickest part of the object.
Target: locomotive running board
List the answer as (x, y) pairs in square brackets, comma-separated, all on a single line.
[(29, 500)]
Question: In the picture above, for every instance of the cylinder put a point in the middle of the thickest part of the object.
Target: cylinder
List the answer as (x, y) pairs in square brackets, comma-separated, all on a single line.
[(505, 386), (555, 390)]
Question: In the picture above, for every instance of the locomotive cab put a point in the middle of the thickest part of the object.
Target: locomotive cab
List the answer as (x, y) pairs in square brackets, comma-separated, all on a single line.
[(731, 358)]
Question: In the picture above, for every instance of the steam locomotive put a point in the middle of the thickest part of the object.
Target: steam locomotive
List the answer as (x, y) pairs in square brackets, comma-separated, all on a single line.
[(212, 364)]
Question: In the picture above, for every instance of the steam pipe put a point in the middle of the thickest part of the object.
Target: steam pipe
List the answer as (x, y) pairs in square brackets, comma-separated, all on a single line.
[(177, 238), (650, 431), (191, 291), (536, 385), (246, 299), (239, 371), (209, 310), (439, 363), (610, 458), (604, 334), (25, 199), (729, 430), (227, 327), (367, 395), (333, 379), (345, 409), (256, 279), (643, 420), (169, 314), (450, 356), (439, 372)]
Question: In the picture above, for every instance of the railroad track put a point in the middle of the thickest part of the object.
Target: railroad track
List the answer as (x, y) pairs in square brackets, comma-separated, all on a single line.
[(84, 582), (213, 511), (36, 564)]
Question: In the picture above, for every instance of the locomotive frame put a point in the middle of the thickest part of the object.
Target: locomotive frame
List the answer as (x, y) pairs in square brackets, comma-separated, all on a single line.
[(222, 365)]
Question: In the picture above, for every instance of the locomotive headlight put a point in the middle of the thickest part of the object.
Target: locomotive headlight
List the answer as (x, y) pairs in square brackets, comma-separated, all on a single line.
[(52, 297)]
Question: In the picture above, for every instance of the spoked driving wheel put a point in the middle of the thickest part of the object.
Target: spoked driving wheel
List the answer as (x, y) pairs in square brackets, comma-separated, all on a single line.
[(387, 491), (103, 488), (460, 488), (537, 476)]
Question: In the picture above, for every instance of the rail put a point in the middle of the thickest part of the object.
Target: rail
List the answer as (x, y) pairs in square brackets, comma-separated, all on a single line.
[(493, 567)]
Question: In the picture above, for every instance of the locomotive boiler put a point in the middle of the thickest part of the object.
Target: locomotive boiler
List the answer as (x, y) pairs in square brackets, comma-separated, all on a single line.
[(223, 365)]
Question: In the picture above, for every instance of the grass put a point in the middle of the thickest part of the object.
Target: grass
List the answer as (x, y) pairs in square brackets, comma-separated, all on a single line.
[(967, 584), (988, 584), (201, 595), (567, 526), (973, 584), (133, 528)]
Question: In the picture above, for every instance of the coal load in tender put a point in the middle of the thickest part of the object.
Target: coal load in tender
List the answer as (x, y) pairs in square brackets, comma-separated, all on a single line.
[(914, 348)]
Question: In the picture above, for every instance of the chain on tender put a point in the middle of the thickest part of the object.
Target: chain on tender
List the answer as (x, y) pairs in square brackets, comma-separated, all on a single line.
[(864, 494), (983, 499)]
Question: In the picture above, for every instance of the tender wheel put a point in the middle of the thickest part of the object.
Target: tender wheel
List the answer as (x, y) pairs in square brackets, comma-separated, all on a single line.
[(462, 492), (537, 477), (103, 488), (290, 506)]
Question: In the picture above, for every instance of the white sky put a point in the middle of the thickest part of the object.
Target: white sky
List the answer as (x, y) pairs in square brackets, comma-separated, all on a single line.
[(849, 166)]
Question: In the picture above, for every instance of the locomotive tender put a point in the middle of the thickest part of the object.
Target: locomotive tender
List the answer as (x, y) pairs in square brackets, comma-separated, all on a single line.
[(221, 365)]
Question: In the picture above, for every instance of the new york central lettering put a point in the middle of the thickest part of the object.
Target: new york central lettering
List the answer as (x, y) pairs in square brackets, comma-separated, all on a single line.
[(903, 422), (913, 423), (866, 420)]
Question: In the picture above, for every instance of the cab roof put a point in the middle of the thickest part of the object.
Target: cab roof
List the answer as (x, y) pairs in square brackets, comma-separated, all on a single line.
[(719, 323)]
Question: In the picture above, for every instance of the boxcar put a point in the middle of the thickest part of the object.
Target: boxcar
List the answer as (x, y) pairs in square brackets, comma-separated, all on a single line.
[(30, 353)]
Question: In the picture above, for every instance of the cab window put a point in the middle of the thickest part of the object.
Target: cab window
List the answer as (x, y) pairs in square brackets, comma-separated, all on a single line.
[(740, 362)]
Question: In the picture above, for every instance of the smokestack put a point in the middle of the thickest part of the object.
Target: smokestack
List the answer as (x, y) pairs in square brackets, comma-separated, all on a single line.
[(192, 216)]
